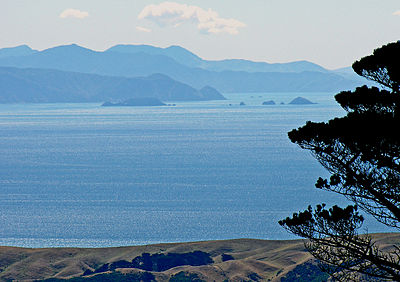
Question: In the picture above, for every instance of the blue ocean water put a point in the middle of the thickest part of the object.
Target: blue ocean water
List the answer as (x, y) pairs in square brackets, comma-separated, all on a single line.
[(85, 176)]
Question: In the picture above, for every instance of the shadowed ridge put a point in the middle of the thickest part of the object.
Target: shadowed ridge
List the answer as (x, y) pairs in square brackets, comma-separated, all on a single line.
[(249, 258)]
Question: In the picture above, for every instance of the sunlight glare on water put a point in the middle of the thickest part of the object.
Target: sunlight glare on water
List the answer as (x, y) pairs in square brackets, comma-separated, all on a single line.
[(86, 176)]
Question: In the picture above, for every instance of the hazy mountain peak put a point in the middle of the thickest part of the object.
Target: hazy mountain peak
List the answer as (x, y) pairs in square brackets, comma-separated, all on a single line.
[(132, 48), (177, 53), (69, 48), (181, 51), (21, 50), (182, 65), (347, 70), (19, 47), (176, 47)]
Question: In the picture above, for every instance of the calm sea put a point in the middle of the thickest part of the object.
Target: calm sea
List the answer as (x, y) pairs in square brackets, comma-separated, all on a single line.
[(86, 176)]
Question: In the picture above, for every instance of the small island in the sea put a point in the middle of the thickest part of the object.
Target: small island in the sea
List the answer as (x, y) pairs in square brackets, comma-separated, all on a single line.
[(301, 101), (136, 102), (270, 102)]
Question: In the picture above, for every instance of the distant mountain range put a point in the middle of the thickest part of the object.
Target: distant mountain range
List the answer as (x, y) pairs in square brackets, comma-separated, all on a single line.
[(187, 58), (47, 86), (22, 50), (177, 63)]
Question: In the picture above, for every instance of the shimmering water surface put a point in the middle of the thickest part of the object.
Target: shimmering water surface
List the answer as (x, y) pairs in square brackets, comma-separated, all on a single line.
[(86, 176)]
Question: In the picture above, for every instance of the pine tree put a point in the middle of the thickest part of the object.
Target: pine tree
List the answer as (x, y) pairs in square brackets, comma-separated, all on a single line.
[(362, 153)]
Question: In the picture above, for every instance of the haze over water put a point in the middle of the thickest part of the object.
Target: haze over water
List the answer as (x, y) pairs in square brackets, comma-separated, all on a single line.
[(86, 176)]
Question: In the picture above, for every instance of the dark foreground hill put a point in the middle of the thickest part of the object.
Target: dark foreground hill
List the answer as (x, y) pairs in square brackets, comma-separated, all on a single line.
[(184, 66), (229, 260), (47, 86)]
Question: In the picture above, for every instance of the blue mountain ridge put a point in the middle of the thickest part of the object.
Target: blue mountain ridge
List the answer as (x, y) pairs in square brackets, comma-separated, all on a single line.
[(185, 57), (48, 86), (144, 60), (21, 50)]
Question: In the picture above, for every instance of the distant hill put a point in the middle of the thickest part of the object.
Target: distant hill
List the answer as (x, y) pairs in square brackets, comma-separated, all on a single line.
[(123, 61), (350, 74), (347, 72), (233, 81), (78, 59), (248, 258), (187, 58), (46, 85), (22, 50), (228, 260), (300, 101), (179, 54)]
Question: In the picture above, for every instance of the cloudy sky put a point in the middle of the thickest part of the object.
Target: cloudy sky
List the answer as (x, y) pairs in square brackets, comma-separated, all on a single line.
[(330, 33)]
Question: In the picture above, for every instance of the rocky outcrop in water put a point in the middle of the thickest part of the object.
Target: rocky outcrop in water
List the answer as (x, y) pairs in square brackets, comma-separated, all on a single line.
[(301, 101)]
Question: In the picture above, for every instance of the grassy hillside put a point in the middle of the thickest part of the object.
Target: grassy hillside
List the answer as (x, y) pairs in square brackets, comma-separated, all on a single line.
[(234, 260)]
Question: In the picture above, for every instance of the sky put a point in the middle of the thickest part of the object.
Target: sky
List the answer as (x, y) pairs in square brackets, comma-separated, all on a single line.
[(332, 34)]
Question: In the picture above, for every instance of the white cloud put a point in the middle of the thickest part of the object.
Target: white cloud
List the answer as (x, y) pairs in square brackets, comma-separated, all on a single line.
[(174, 14), (74, 13), (397, 13), (143, 29)]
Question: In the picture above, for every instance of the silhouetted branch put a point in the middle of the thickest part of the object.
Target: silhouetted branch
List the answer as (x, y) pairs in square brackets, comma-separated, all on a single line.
[(362, 152)]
